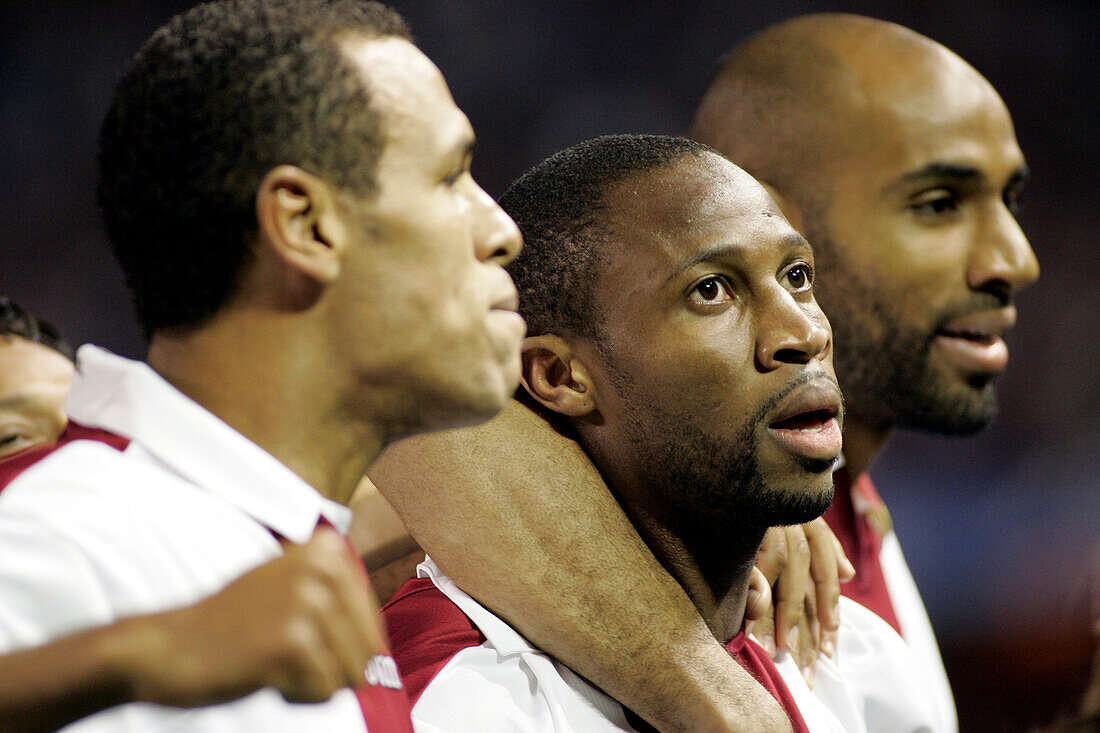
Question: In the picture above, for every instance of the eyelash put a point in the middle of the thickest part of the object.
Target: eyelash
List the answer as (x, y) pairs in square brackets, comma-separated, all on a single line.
[(804, 267), (720, 281), (946, 202)]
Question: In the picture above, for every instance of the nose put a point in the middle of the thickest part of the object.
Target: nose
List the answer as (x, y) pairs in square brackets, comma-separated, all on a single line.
[(791, 332), (1002, 261), (496, 236)]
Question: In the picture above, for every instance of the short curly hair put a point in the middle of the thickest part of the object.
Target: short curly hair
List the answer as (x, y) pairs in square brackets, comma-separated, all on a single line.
[(15, 320), (215, 99), (561, 210)]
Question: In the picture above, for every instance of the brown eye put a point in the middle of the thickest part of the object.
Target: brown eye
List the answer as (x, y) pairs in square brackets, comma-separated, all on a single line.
[(935, 204), (710, 291), (800, 277)]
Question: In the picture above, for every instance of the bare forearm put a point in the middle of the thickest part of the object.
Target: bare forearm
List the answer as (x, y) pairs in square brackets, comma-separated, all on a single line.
[(49, 687), (518, 517)]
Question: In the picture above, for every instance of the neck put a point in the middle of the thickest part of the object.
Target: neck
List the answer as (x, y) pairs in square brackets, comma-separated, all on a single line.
[(862, 443), (713, 564), (263, 381)]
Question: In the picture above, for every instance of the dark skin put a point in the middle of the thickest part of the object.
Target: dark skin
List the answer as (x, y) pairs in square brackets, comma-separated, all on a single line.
[(708, 312), (920, 254)]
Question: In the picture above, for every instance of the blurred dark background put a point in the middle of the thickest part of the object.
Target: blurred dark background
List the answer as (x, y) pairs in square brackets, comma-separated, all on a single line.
[(998, 529)]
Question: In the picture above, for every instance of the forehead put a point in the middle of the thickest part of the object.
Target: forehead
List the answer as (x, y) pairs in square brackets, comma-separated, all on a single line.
[(409, 93), (938, 110), (660, 218), (28, 365)]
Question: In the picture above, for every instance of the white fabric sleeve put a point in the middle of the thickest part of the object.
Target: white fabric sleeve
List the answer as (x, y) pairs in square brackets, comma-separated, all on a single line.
[(48, 587), (483, 690)]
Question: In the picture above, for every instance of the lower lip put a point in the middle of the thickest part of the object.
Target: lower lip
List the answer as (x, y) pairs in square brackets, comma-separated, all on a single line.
[(510, 320), (973, 356), (822, 443)]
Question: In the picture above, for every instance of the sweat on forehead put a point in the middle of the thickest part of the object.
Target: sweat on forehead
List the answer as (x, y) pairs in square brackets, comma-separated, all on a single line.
[(561, 208)]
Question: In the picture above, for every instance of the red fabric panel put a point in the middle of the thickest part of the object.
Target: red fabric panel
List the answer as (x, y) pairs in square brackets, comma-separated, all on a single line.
[(426, 630), (756, 662), (13, 465), (382, 696), (862, 543)]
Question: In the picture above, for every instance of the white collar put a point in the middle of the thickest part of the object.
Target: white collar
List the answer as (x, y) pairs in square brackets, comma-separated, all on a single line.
[(128, 398), (504, 638)]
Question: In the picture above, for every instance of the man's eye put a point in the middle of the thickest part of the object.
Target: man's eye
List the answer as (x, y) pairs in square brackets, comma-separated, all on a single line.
[(13, 442), (710, 291), (935, 203), (1012, 201), (800, 277)]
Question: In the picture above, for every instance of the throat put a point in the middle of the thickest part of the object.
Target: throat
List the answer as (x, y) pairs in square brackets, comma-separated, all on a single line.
[(713, 568)]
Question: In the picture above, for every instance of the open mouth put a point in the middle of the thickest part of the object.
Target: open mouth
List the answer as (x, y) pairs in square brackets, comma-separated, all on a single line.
[(811, 421), (974, 343), (978, 337), (808, 427)]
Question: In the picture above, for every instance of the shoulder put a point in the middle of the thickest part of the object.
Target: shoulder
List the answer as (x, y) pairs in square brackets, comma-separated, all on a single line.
[(460, 680), (887, 679), (77, 443)]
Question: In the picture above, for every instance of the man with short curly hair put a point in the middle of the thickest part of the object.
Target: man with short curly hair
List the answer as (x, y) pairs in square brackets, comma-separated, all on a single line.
[(286, 184)]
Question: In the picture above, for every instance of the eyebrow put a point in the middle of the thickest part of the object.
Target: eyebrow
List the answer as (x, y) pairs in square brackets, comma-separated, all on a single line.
[(722, 250), (956, 173), (463, 147), (19, 399)]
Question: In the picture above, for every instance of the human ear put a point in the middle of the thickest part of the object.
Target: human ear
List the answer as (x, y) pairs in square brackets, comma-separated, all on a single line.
[(790, 209), (297, 219), (553, 375)]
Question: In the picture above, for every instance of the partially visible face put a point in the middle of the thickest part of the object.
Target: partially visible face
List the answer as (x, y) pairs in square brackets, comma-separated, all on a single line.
[(34, 380), (920, 255), (714, 368), (433, 304)]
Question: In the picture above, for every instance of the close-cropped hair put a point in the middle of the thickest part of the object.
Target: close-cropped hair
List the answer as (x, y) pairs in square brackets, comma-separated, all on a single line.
[(215, 99), (561, 210), (15, 320)]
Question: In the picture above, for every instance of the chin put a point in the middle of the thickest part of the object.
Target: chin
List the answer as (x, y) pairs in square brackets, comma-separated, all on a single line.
[(805, 501), (963, 409)]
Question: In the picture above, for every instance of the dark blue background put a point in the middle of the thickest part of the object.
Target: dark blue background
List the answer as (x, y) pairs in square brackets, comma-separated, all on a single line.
[(997, 528)]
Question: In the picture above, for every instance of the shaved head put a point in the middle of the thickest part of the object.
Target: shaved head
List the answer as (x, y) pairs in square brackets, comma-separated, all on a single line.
[(898, 161), (786, 104)]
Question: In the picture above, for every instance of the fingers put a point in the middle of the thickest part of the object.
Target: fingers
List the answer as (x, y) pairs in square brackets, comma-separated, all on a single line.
[(828, 642), (809, 640), (791, 589), (336, 613), (759, 596), (824, 570), (763, 628), (772, 556), (304, 623)]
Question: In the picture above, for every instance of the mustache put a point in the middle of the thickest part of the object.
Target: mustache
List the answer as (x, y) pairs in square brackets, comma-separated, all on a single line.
[(976, 303), (777, 399)]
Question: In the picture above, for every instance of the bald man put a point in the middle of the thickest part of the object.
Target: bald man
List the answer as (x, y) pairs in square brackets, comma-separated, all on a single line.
[(902, 169), (913, 221)]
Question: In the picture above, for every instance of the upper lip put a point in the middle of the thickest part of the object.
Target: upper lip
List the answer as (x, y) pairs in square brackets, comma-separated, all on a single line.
[(820, 395), (508, 300), (982, 324)]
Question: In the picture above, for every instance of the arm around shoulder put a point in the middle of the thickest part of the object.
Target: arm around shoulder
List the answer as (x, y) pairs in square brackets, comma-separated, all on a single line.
[(518, 516)]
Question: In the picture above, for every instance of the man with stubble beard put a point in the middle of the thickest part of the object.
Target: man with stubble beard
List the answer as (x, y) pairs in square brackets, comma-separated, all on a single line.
[(674, 332), (899, 162)]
